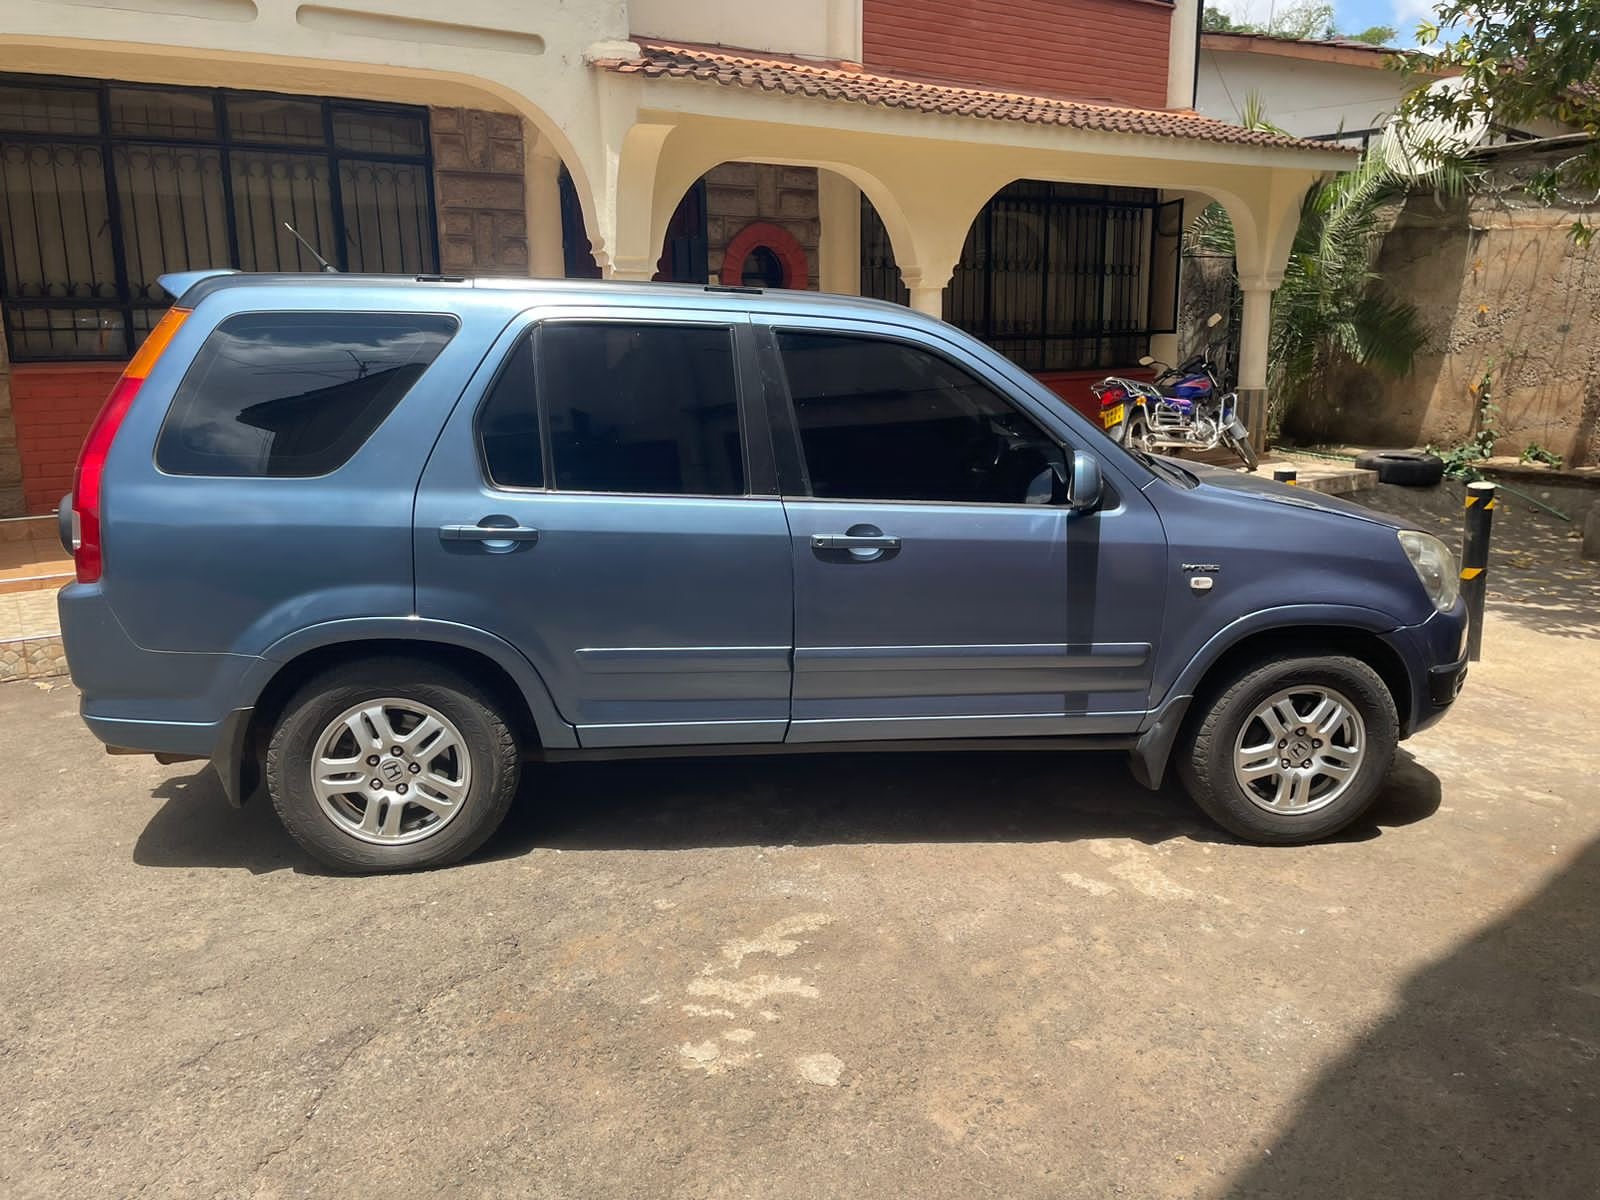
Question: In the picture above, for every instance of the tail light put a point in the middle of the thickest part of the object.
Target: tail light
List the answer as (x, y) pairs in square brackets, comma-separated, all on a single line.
[(1112, 396), (86, 480)]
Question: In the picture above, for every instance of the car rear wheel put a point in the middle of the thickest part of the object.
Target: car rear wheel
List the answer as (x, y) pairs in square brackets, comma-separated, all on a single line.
[(1293, 749), (391, 765)]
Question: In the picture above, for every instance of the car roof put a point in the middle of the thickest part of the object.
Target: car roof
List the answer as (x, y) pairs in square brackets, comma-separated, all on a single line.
[(191, 287)]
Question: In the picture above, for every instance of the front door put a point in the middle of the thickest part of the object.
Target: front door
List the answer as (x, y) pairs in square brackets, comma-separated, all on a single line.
[(594, 502), (942, 588)]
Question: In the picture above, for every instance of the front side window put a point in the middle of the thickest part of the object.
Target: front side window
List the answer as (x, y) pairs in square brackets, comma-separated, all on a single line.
[(886, 420), (294, 394), (638, 408)]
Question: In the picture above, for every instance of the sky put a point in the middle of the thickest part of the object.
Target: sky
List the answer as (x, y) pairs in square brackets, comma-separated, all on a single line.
[(1350, 15)]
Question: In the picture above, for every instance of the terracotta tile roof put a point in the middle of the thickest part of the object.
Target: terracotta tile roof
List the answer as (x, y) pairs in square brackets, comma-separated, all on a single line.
[(676, 60)]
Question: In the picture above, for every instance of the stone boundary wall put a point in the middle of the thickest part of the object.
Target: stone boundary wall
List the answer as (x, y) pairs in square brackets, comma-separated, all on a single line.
[(1503, 290)]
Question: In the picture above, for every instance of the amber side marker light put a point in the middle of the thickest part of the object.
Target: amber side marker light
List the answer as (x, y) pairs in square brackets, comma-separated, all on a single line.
[(88, 554)]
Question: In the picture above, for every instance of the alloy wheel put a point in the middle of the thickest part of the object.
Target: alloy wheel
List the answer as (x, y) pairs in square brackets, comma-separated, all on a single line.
[(391, 771), (1300, 750)]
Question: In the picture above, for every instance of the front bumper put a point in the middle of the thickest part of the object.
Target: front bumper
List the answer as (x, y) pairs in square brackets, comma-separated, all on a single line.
[(1435, 658), (1444, 683)]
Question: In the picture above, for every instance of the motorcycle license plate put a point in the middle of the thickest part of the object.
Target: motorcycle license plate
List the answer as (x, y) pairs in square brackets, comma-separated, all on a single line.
[(1112, 416)]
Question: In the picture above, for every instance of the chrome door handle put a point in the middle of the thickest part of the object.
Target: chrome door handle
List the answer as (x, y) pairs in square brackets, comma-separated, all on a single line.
[(854, 541), (487, 533)]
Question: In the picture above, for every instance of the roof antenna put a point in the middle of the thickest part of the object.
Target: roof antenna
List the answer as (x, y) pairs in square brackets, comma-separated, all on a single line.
[(311, 250)]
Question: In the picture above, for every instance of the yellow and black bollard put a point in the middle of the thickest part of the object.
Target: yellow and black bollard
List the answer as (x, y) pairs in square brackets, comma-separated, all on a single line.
[(1475, 561), (1284, 475)]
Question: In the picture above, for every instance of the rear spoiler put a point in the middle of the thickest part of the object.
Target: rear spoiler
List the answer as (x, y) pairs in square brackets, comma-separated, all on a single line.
[(179, 282)]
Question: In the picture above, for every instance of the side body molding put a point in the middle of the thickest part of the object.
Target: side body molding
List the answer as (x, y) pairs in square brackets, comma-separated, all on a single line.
[(554, 733)]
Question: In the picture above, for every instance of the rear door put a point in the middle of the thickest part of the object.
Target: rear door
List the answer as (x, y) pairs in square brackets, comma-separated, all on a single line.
[(604, 500), (942, 589)]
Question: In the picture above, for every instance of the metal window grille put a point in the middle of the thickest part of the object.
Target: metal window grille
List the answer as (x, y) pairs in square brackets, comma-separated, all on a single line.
[(1057, 277), (104, 186)]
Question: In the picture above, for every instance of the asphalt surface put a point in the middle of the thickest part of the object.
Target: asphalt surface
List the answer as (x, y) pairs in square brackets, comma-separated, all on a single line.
[(902, 975)]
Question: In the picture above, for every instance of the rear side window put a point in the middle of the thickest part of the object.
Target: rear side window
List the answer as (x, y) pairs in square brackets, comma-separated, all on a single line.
[(509, 424), (294, 394), (641, 408)]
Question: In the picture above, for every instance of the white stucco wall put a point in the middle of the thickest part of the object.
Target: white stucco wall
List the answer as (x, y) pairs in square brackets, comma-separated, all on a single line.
[(1306, 98), (812, 28)]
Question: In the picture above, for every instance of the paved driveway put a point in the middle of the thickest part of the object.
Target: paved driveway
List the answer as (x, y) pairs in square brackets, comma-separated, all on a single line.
[(904, 975)]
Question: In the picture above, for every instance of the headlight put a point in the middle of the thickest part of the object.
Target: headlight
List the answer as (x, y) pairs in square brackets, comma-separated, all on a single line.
[(1435, 566)]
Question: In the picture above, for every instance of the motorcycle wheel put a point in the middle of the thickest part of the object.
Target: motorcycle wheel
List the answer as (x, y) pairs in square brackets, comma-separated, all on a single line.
[(1242, 447), (1137, 434)]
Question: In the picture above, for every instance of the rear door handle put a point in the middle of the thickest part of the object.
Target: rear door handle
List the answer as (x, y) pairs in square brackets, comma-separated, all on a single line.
[(487, 533), (854, 541)]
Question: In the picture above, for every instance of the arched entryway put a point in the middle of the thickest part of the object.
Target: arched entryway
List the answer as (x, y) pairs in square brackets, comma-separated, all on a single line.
[(766, 255)]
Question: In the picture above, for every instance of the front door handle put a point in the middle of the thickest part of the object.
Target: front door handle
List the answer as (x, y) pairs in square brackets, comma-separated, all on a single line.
[(487, 533), (854, 541)]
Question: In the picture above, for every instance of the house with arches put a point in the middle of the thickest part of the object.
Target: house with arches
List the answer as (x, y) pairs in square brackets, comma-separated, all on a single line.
[(1022, 168)]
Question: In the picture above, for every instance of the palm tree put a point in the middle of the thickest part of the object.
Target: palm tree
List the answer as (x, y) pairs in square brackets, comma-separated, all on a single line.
[(1333, 307)]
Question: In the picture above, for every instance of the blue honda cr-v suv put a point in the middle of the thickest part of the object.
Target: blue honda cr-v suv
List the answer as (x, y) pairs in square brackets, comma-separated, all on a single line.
[(369, 544)]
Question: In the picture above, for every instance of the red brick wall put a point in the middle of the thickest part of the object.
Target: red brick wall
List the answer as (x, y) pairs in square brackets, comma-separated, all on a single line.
[(1073, 386), (1086, 49), (53, 405)]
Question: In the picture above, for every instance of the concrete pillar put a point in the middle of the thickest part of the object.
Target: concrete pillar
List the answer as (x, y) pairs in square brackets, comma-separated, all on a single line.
[(1183, 41), (542, 179), (1255, 334), (844, 30), (839, 253), (929, 300)]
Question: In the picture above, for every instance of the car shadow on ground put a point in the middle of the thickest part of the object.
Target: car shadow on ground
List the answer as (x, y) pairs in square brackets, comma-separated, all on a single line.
[(813, 800), (1482, 1082)]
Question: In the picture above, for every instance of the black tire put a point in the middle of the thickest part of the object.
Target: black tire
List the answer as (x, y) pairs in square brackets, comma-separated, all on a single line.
[(1408, 468), (1137, 433), (491, 747), (1242, 447), (1206, 763)]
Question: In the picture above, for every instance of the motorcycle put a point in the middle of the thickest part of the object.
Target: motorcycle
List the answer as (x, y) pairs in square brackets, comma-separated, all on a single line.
[(1185, 408)]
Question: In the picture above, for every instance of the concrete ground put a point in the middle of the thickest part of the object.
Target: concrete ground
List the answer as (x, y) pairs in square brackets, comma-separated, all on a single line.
[(902, 975)]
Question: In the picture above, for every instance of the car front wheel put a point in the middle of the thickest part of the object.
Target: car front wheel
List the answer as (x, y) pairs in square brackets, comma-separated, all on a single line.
[(1293, 749), (391, 765)]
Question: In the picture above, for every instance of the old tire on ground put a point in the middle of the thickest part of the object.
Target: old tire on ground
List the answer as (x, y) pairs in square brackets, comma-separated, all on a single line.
[(1409, 468), (392, 764), (1292, 748)]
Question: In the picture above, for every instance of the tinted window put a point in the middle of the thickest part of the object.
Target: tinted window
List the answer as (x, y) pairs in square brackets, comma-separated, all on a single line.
[(509, 424), (641, 408), (294, 393), (882, 420)]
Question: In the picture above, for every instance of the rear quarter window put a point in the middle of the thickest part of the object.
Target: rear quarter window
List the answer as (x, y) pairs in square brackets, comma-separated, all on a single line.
[(294, 394)]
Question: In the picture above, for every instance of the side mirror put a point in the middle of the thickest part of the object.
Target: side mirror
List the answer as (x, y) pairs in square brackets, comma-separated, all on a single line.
[(1146, 361), (1083, 495), (1213, 320)]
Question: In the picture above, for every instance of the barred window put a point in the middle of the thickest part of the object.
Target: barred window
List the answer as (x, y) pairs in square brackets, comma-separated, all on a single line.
[(106, 186), (1056, 276)]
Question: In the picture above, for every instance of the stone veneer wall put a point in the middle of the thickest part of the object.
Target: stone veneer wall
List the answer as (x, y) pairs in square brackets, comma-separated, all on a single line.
[(739, 194), (480, 192)]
